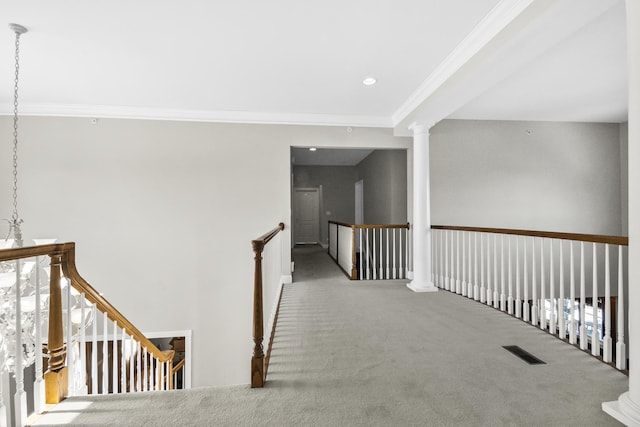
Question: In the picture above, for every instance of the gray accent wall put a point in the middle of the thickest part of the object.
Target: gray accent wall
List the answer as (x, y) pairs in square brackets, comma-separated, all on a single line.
[(337, 192), (384, 175)]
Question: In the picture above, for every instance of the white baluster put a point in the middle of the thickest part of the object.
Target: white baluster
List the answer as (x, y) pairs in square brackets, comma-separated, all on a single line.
[(572, 297), (463, 279), (595, 334), (489, 290), (114, 373), (374, 251), (435, 254), (394, 272), (139, 367), (402, 274), (607, 343), (552, 291), (3, 408), (20, 397), (158, 375), (382, 275), (469, 280), (483, 291), (145, 369), (361, 255), (458, 289), (123, 362), (441, 250), (534, 286), (510, 279), (496, 294), (562, 327), (621, 350), (38, 385), (452, 270), (132, 365), (105, 354), (583, 316), (543, 299), (503, 296), (163, 371), (71, 359), (83, 346), (476, 287), (518, 301), (446, 260), (366, 230), (526, 309), (408, 249), (94, 350)]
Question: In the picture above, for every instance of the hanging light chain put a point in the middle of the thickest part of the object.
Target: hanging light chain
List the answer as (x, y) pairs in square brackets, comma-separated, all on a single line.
[(14, 224), (15, 218)]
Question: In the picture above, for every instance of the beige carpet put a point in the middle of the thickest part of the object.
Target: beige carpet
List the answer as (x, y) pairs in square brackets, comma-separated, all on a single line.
[(376, 354)]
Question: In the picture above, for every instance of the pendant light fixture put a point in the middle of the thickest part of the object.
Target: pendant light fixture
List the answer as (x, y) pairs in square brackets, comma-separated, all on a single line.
[(16, 221)]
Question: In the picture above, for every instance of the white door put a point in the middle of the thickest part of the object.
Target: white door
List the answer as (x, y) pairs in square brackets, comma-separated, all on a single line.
[(306, 213)]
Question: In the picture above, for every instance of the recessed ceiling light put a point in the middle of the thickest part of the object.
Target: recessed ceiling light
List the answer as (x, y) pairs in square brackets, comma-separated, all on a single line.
[(369, 81), (312, 149)]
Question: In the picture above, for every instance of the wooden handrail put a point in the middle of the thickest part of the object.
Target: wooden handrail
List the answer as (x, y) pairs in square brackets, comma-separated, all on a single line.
[(344, 224), (63, 258), (178, 367), (81, 285), (594, 238), (13, 254), (257, 359)]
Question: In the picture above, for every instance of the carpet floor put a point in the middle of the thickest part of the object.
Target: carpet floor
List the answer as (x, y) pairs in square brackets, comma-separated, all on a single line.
[(357, 353)]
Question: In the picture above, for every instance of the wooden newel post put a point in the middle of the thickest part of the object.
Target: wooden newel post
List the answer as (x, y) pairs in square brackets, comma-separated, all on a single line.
[(56, 380), (257, 360)]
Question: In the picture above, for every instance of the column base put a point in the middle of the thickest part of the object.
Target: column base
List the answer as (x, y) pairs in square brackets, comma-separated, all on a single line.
[(624, 410), (422, 286)]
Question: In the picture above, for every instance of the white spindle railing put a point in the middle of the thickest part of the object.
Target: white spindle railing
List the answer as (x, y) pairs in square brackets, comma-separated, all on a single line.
[(480, 263), (25, 276), (371, 252)]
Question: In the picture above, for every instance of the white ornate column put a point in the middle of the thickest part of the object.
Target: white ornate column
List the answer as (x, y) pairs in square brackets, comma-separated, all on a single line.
[(421, 211), (627, 408)]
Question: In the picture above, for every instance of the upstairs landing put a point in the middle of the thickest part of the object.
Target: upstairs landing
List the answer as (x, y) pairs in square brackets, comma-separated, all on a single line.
[(376, 354)]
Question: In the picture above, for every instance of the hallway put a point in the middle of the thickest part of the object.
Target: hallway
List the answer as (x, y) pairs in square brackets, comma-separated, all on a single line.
[(376, 354)]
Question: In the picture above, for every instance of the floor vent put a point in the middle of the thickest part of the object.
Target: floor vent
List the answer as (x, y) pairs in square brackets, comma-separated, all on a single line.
[(524, 355)]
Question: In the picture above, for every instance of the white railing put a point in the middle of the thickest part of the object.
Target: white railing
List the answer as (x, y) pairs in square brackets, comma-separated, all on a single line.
[(570, 285), (90, 347), (371, 251)]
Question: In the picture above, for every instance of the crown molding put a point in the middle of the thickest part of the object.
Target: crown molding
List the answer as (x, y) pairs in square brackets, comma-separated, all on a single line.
[(246, 117), (490, 26)]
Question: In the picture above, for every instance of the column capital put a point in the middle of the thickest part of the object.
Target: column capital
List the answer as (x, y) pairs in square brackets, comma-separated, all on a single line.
[(421, 127)]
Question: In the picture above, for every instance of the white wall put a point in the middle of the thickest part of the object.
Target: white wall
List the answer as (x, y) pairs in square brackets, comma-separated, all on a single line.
[(527, 175), (163, 214)]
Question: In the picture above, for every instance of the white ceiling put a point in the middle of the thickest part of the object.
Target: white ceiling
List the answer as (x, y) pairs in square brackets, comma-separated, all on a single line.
[(287, 61)]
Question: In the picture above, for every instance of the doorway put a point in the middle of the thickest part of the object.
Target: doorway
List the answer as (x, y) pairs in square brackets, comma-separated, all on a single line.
[(306, 214)]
